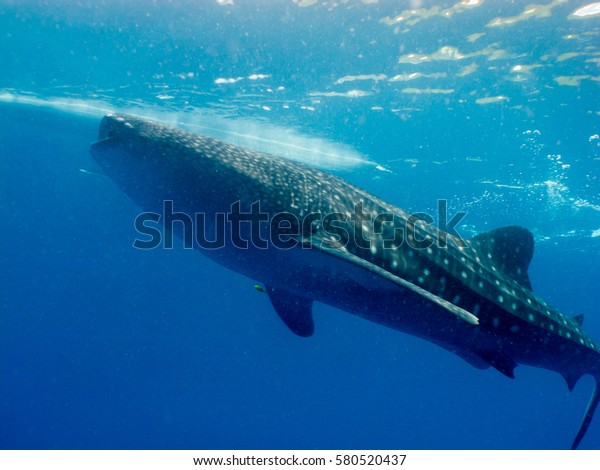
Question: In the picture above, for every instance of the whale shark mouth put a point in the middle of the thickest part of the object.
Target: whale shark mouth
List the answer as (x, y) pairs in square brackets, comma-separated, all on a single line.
[(112, 132), (105, 140), (105, 143)]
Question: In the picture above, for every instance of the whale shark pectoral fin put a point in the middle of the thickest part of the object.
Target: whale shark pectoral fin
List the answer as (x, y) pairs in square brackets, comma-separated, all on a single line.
[(449, 306), (294, 311), (351, 258)]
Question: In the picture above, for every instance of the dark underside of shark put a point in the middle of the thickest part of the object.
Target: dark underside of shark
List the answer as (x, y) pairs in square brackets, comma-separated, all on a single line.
[(331, 242)]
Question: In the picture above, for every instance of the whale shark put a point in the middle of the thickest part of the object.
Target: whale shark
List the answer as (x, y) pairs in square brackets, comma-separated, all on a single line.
[(309, 236)]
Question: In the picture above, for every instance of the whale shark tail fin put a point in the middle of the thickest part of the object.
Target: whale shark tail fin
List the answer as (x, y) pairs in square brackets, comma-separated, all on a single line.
[(589, 413)]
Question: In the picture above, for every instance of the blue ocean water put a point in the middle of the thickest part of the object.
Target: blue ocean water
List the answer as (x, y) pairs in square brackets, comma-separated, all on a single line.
[(492, 106)]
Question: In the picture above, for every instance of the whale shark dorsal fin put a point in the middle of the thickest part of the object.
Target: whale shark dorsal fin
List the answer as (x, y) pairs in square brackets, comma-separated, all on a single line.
[(509, 249), (294, 311), (578, 319)]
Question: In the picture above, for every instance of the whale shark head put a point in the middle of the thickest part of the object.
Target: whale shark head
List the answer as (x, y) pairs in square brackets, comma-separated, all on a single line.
[(153, 163), (125, 155)]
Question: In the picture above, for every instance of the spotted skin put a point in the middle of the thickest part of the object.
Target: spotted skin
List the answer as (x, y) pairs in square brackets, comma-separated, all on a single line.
[(472, 298)]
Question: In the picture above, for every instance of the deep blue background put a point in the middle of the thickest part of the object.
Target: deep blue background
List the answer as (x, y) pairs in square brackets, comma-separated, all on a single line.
[(104, 346)]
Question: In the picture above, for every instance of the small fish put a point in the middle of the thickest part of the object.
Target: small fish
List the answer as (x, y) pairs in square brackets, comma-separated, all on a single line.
[(91, 172)]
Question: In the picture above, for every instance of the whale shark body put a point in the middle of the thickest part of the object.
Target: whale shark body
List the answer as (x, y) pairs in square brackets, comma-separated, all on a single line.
[(311, 236)]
